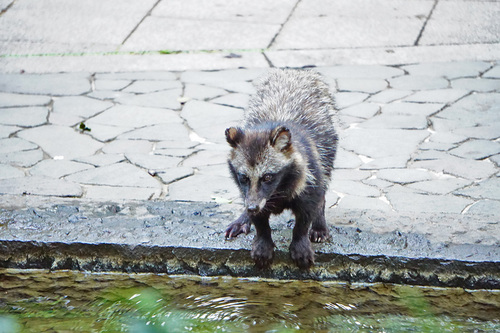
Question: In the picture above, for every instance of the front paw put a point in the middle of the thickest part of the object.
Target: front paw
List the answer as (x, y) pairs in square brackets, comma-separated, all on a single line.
[(319, 235), (236, 228), (302, 253), (262, 252)]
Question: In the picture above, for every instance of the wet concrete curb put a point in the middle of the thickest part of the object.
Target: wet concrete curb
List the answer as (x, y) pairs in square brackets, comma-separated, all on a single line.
[(188, 238)]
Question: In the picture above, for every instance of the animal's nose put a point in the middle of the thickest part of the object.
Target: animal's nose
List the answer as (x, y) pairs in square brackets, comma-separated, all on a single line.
[(252, 209)]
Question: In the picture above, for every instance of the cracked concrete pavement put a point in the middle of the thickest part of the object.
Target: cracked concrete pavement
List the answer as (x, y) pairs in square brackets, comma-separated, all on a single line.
[(135, 111)]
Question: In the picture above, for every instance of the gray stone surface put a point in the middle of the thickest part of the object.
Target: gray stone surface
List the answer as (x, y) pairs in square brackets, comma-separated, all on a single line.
[(402, 152), (382, 142), (403, 199), (80, 106), (462, 21), (55, 84), (160, 99), (476, 84), (10, 145), (450, 70), (437, 96), (211, 35), (8, 99), (476, 149), (404, 176), (57, 168), (153, 162), (120, 174), (7, 172), (488, 189), (61, 142), (412, 82), (149, 86), (355, 27), (51, 16), (40, 186), (429, 68), (6, 130), (25, 158), (390, 95), (24, 116)]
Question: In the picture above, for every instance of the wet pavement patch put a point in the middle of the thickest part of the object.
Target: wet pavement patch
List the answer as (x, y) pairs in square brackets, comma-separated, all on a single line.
[(188, 238)]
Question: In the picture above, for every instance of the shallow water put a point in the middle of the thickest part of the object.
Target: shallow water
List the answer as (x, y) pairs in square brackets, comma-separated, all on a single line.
[(66, 301)]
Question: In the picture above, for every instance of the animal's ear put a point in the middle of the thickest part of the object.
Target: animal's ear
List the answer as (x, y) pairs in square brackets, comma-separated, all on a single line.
[(234, 136), (281, 138)]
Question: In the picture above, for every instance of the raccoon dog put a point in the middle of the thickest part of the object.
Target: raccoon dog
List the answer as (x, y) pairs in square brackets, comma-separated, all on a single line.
[(282, 158)]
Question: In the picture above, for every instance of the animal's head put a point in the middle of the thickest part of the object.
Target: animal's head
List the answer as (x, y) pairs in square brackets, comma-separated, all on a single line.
[(260, 161)]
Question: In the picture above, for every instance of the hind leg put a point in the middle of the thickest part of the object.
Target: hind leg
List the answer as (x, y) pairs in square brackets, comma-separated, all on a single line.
[(319, 230)]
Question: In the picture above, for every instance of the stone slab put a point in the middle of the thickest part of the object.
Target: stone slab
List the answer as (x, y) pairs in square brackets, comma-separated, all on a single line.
[(437, 96), (203, 35), (449, 70), (162, 132), (7, 172), (383, 55), (462, 22), (81, 106), (204, 188), (403, 199), (134, 117), (459, 167), (210, 121), (120, 193), (378, 143), (465, 113), (101, 159), (174, 174), (119, 146), (8, 99), (477, 84), (488, 189), (361, 85), (126, 62), (11, 145), (439, 186), (62, 142), (412, 82), (120, 174), (356, 27), (153, 162), (62, 84), (26, 158), (476, 149), (24, 116), (235, 100), (238, 10), (150, 86), (18, 24), (6, 131), (390, 95), (404, 176), (363, 110), (57, 168), (160, 99), (493, 73), (111, 85), (40, 186), (352, 187)]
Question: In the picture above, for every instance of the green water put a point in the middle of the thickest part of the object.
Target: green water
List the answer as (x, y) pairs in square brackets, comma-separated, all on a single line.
[(68, 301)]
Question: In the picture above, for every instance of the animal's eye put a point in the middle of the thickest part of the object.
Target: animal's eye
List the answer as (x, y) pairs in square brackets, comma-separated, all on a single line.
[(267, 178), (243, 178)]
